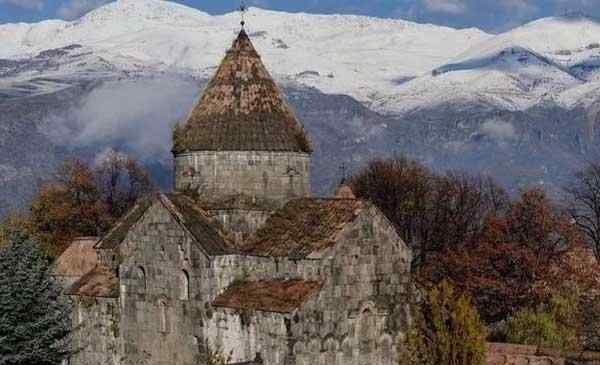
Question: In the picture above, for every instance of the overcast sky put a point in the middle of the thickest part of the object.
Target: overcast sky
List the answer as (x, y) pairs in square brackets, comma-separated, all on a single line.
[(491, 15)]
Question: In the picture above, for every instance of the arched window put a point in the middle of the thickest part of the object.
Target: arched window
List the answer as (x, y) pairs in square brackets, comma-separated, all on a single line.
[(184, 286), (162, 307), (142, 283)]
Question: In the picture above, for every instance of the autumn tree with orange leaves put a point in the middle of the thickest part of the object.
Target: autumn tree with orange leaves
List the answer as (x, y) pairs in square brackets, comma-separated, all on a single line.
[(519, 259), (85, 200), (506, 254)]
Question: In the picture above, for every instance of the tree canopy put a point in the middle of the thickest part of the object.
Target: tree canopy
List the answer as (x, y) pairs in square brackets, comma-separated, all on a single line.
[(35, 322)]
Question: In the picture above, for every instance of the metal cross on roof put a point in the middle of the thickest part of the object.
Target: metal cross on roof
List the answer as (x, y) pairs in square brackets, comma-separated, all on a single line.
[(243, 10), (343, 171)]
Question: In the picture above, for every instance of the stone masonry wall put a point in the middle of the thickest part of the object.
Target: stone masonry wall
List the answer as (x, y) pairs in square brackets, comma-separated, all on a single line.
[(241, 222), (506, 354), (244, 334), (96, 324), (270, 177), (363, 307), (162, 292), (167, 285), (356, 318)]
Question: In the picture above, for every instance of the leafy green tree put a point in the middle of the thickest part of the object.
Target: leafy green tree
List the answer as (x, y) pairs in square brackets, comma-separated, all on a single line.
[(555, 324), (34, 320), (446, 330)]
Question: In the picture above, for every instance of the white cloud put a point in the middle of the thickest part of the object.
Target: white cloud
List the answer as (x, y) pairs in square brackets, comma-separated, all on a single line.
[(37, 5), (73, 9), (446, 6), (498, 129), (137, 115)]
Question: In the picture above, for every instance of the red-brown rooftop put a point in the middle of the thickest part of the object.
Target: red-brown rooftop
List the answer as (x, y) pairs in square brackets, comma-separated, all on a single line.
[(280, 296), (304, 226), (78, 259), (101, 282), (242, 109)]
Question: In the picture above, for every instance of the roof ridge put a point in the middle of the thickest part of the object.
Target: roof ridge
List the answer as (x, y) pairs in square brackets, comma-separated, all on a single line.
[(201, 227)]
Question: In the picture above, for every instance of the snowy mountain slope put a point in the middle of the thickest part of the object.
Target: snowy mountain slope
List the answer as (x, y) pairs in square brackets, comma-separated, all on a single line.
[(513, 79), (563, 38), (522, 106), (359, 56), (393, 65), (551, 59)]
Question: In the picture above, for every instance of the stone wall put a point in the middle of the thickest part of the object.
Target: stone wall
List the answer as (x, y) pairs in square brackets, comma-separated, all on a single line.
[(356, 318), (271, 178), (511, 354), (243, 335), (363, 307), (96, 324), (507, 354), (163, 291), (167, 284), (241, 222)]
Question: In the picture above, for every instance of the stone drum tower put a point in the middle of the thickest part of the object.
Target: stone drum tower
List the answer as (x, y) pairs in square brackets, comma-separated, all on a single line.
[(242, 149)]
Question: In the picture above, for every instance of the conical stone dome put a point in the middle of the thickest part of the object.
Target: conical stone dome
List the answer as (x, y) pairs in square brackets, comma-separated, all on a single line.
[(242, 109)]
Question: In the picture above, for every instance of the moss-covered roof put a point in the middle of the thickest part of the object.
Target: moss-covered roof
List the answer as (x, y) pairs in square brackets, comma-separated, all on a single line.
[(280, 296), (205, 230), (117, 234), (303, 226), (201, 225), (101, 282), (242, 109)]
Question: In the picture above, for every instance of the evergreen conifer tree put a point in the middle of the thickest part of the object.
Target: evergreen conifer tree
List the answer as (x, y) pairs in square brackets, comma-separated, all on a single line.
[(34, 320)]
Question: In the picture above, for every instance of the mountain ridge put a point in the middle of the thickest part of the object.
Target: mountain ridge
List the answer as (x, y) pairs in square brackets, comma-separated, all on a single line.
[(521, 106)]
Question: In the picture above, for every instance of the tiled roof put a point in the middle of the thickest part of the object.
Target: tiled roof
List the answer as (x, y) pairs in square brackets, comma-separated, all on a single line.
[(78, 259), (303, 226), (101, 282), (118, 233), (201, 225), (280, 296), (205, 230), (242, 109)]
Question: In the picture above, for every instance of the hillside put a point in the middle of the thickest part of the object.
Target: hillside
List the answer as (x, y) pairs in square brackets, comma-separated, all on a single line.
[(522, 105)]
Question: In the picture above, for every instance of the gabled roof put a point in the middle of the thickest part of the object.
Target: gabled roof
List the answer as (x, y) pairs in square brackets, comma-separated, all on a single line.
[(304, 226), (280, 296), (201, 225), (100, 282), (117, 234), (242, 109), (78, 259), (205, 230)]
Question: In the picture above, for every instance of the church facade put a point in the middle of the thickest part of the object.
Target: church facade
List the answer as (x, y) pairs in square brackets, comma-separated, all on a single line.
[(240, 259)]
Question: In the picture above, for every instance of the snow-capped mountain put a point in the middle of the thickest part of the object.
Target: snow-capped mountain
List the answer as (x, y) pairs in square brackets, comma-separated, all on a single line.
[(358, 56), (395, 65), (522, 106)]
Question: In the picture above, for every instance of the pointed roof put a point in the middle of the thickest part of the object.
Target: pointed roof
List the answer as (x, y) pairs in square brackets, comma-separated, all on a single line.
[(242, 109)]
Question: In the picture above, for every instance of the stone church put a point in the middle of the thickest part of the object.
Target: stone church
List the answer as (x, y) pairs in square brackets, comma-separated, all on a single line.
[(240, 259)]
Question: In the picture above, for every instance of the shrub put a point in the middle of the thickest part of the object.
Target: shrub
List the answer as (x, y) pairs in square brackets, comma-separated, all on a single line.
[(556, 324), (447, 330)]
